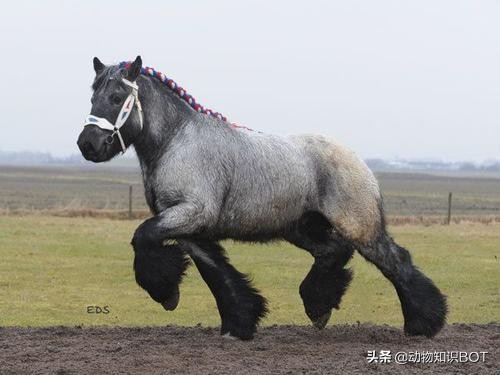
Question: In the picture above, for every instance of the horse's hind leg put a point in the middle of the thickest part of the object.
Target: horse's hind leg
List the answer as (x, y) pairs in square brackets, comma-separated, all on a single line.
[(424, 307), (240, 304), (327, 281)]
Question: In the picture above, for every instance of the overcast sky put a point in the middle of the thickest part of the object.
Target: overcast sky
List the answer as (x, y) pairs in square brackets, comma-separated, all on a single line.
[(389, 79)]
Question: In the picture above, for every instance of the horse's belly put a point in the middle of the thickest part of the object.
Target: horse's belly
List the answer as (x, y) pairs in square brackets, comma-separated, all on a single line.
[(256, 215), (269, 189)]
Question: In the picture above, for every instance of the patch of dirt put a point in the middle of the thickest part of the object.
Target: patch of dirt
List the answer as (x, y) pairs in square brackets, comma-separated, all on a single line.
[(278, 349)]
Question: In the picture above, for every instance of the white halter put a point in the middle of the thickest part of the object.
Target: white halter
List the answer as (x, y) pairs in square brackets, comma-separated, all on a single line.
[(127, 107)]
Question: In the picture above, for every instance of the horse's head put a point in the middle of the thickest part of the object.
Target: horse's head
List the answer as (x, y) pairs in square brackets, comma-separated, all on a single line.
[(115, 120)]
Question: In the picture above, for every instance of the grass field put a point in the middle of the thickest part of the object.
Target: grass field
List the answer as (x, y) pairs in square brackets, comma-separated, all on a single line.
[(52, 269), (105, 187), (69, 187), (427, 194)]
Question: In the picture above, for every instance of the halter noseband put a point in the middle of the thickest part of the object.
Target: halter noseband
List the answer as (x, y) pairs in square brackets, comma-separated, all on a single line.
[(124, 114)]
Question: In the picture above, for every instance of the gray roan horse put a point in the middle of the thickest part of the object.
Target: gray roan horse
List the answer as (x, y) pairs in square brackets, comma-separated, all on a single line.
[(206, 181)]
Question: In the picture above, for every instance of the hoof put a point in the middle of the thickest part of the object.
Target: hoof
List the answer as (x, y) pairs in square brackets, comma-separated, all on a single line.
[(321, 322), (424, 307), (171, 303), (238, 333)]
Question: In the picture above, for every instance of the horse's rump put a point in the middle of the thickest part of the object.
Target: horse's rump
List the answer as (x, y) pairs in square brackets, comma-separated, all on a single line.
[(348, 192)]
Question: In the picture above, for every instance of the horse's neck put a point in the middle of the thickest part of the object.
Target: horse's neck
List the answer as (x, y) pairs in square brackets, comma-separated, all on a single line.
[(164, 116)]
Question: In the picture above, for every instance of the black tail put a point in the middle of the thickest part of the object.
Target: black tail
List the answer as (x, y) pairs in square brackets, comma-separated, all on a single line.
[(424, 306)]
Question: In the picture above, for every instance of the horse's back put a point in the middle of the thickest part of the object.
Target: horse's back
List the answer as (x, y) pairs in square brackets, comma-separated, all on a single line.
[(348, 192)]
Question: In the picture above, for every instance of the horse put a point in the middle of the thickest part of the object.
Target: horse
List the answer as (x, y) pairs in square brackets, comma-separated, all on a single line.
[(207, 180)]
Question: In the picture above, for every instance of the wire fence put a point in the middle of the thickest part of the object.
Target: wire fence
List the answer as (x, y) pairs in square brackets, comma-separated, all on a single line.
[(67, 191)]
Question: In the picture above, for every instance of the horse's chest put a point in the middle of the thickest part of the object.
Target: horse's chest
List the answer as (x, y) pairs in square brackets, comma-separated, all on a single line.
[(151, 198), (153, 194)]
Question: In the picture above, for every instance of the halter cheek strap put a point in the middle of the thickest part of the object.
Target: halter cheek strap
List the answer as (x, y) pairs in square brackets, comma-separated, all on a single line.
[(124, 114)]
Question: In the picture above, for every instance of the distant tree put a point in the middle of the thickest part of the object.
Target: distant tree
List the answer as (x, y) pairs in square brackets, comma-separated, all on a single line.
[(467, 167)]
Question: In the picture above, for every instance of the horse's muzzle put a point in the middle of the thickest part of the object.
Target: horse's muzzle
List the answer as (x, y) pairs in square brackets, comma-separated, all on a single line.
[(92, 144)]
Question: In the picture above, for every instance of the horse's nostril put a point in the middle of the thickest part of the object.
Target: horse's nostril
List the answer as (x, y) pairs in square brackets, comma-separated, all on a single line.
[(87, 147)]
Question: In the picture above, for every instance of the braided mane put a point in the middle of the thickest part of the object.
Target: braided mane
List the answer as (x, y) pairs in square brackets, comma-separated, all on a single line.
[(189, 99)]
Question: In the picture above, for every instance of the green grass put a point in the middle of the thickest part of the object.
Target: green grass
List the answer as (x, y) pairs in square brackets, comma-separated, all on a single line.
[(52, 268)]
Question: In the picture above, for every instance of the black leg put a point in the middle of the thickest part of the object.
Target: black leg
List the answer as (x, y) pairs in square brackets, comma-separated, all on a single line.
[(323, 288), (424, 306), (240, 305), (159, 270), (327, 281)]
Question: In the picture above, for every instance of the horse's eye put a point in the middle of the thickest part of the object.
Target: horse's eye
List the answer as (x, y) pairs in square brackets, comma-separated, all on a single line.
[(115, 99)]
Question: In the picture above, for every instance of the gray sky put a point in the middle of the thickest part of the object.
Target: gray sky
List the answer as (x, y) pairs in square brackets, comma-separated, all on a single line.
[(389, 79)]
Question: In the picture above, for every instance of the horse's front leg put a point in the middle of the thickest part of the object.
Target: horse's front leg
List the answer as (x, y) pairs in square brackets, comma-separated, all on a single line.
[(159, 267), (181, 220), (240, 305), (159, 270)]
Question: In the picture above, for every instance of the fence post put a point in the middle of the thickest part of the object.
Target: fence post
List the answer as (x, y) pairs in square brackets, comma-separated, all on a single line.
[(449, 208), (130, 202)]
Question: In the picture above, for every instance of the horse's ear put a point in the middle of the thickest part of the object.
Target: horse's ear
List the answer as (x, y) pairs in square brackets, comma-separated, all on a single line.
[(134, 69), (98, 65)]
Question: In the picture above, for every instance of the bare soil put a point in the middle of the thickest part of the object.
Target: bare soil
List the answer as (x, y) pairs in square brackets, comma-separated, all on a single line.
[(277, 350)]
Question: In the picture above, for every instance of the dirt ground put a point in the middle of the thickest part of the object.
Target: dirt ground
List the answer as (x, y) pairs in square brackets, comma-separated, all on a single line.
[(279, 349)]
